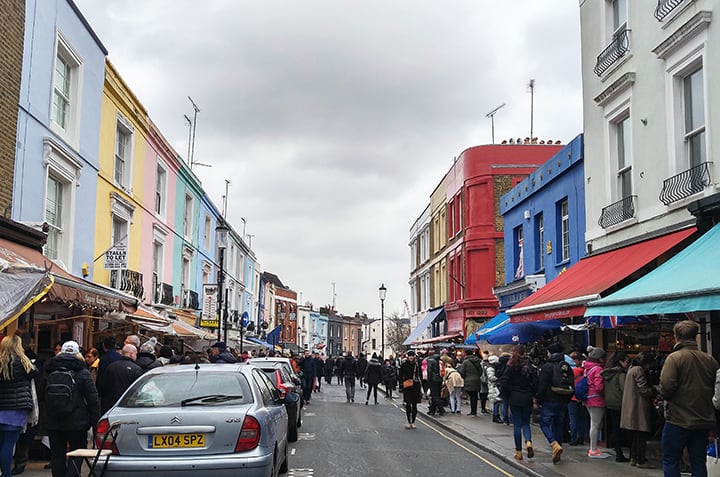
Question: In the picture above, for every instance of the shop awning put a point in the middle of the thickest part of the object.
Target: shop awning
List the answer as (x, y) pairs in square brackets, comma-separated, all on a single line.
[(431, 316), (687, 282), (438, 339), (51, 280), (567, 295), (260, 342), (501, 319)]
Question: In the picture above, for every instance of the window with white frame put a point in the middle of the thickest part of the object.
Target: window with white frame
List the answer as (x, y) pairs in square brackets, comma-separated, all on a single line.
[(188, 216), (120, 231), (694, 109), (564, 228), (63, 174), (157, 273), (208, 232), (425, 245), (123, 152), (623, 147), (160, 188), (67, 78), (413, 254), (54, 212), (519, 252), (540, 240)]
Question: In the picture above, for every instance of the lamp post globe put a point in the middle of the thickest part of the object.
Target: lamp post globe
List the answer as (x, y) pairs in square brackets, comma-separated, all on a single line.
[(382, 291)]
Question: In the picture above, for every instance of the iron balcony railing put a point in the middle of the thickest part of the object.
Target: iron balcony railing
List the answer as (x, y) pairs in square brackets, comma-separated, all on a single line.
[(619, 46), (664, 7), (618, 212), (129, 281), (685, 184)]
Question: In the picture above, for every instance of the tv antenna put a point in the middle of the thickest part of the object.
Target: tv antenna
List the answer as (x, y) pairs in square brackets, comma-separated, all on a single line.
[(191, 136), (491, 115)]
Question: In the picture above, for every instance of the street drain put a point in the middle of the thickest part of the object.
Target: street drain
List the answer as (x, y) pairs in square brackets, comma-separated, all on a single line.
[(306, 436), (301, 473)]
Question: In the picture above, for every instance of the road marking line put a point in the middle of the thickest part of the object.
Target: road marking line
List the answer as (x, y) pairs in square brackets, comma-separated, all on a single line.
[(502, 471)]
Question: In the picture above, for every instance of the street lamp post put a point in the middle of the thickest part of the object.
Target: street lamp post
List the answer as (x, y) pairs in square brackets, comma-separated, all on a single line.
[(222, 232), (382, 291)]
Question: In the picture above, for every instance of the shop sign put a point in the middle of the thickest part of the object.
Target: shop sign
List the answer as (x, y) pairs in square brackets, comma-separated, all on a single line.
[(209, 314), (116, 257)]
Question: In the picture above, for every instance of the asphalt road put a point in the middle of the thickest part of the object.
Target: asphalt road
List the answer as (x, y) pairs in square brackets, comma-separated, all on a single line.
[(351, 439)]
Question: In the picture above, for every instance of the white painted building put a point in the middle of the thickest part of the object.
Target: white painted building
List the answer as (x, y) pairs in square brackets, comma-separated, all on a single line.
[(650, 75)]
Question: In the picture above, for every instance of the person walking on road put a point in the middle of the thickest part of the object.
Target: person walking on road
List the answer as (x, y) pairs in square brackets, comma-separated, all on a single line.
[(686, 384), (520, 382), (412, 394), (306, 365), (373, 377), (555, 389), (471, 370), (435, 379), (389, 376), (637, 412), (596, 399), (349, 373), (362, 364)]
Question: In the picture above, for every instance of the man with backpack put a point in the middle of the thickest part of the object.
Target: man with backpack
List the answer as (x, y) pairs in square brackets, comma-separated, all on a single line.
[(71, 405), (555, 389)]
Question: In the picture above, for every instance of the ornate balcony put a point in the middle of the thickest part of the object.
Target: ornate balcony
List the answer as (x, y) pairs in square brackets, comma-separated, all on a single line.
[(166, 297), (618, 212), (619, 46), (686, 183), (129, 281), (664, 7)]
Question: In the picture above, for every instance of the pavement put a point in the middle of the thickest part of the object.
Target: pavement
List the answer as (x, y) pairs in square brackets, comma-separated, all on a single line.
[(497, 439)]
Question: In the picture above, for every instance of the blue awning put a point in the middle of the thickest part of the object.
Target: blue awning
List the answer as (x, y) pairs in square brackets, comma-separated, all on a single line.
[(501, 319), (431, 316), (260, 342), (687, 282)]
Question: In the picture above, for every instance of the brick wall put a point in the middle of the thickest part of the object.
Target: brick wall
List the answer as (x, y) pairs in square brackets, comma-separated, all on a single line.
[(12, 28)]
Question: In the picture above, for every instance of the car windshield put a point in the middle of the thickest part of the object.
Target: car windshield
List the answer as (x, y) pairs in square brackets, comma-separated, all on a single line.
[(185, 389)]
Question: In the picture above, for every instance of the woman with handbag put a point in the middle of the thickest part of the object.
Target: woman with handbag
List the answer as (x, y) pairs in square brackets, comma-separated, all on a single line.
[(454, 384), (410, 378)]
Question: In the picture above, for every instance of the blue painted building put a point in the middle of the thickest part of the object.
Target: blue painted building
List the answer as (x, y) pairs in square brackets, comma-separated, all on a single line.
[(544, 224), (56, 162), (318, 334)]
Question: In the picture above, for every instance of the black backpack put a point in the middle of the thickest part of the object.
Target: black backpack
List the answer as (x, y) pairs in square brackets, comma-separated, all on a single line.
[(563, 381), (59, 391)]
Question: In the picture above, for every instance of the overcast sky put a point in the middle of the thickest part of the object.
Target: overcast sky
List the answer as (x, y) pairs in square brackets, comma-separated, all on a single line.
[(334, 120)]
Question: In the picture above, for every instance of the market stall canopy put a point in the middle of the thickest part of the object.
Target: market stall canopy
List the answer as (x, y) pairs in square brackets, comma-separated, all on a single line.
[(521, 333), (260, 342), (567, 295), (687, 282), (438, 339), (501, 319), (433, 316), (22, 284)]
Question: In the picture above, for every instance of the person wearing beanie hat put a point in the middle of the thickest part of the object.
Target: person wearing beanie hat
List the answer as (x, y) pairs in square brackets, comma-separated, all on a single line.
[(595, 403), (555, 390)]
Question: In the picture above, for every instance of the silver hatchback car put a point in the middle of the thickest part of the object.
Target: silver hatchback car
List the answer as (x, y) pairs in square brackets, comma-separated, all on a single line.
[(213, 420)]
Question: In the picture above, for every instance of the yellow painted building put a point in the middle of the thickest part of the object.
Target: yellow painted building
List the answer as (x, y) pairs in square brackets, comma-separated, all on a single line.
[(122, 153)]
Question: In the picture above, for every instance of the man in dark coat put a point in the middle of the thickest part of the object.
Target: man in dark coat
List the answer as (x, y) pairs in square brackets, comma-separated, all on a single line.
[(220, 354), (554, 403), (349, 372), (69, 431), (118, 377), (109, 356), (435, 382), (307, 368), (362, 365), (146, 357), (319, 370)]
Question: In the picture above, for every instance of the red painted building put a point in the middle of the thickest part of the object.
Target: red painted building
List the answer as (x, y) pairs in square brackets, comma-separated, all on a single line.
[(465, 256)]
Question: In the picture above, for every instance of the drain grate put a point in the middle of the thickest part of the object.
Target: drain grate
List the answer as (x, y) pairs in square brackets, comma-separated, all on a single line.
[(306, 436)]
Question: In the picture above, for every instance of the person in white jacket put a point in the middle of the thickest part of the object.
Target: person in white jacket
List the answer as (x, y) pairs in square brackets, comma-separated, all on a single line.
[(454, 382), (493, 390)]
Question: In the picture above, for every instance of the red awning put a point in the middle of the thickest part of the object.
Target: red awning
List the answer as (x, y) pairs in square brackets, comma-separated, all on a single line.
[(566, 295)]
